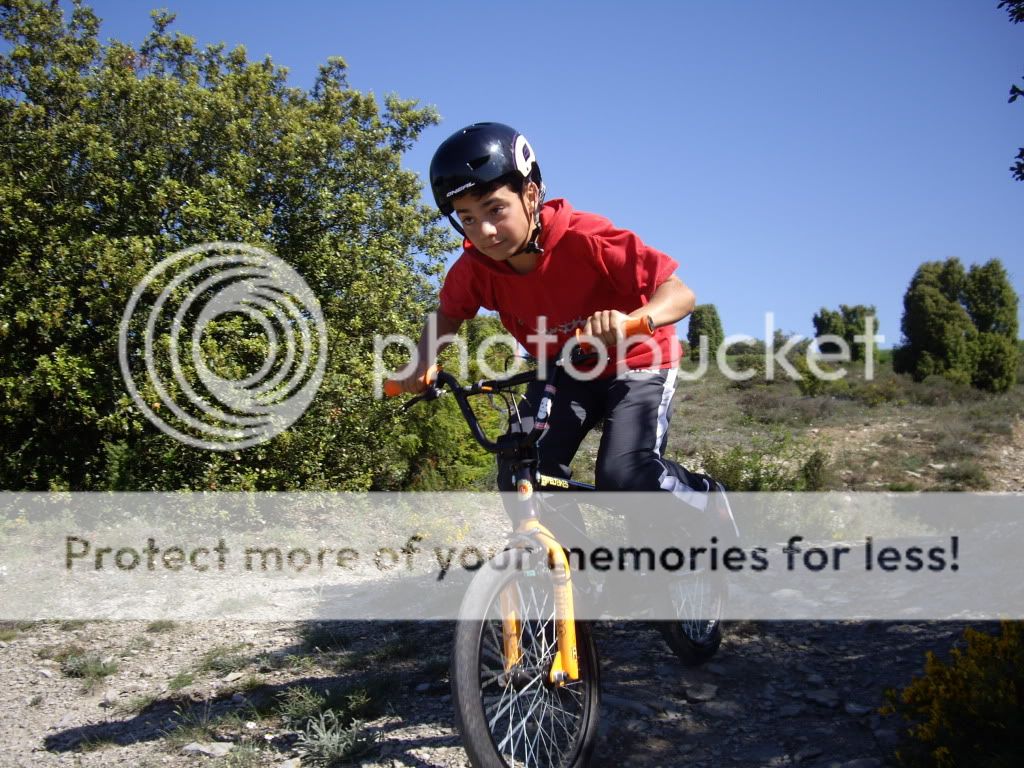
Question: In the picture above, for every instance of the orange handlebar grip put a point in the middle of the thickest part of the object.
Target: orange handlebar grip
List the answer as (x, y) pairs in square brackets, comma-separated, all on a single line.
[(638, 325), (634, 326), (392, 388)]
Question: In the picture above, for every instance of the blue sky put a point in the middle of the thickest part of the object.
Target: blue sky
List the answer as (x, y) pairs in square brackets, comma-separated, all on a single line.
[(790, 155)]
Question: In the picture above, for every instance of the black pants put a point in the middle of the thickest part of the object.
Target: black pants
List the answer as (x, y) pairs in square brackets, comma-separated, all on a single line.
[(636, 408)]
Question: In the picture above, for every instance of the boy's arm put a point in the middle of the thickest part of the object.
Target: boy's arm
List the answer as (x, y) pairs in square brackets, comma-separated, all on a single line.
[(436, 327), (671, 302)]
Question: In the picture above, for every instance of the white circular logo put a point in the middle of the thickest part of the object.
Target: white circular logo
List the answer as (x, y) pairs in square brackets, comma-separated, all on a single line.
[(200, 289)]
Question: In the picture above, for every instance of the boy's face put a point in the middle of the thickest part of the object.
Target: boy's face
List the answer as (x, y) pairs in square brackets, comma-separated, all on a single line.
[(498, 224)]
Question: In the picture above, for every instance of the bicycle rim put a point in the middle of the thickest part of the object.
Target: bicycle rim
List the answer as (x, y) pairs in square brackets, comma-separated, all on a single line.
[(697, 600), (517, 718)]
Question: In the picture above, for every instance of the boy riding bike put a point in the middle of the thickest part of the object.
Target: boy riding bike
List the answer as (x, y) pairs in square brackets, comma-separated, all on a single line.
[(551, 271)]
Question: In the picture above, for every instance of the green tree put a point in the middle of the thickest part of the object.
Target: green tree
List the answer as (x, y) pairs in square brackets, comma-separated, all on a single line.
[(828, 322), (1015, 8), (992, 304), (960, 324), (113, 158), (704, 321), (848, 323)]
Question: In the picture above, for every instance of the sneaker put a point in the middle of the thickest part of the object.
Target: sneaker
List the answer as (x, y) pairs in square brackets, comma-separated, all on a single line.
[(723, 523)]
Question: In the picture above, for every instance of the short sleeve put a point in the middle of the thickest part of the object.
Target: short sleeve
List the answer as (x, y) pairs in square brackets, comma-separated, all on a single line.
[(460, 299), (631, 264)]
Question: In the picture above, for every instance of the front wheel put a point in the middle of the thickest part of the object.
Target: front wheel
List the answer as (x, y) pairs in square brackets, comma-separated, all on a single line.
[(512, 715)]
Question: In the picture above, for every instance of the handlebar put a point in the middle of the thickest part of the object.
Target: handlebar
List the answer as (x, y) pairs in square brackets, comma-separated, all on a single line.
[(437, 380), (392, 388)]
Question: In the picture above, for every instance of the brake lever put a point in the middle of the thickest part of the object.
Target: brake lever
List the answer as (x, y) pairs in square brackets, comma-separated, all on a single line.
[(430, 393)]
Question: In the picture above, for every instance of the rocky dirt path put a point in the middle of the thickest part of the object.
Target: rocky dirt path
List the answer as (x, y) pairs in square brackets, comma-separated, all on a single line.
[(778, 694)]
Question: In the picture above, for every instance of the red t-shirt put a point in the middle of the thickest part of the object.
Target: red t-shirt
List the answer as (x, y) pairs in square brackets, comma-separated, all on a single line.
[(588, 265)]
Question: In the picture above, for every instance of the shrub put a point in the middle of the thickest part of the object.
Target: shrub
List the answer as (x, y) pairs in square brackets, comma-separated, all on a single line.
[(748, 362), (878, 392), (969, 710), (997, 363), (299, 705), (328, 741), (939, 390), (224, 658), (964, 475), (815, 472), (773, 465)]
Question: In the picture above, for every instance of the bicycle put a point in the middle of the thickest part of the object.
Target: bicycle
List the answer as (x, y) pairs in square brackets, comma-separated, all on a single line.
[(525, 676)]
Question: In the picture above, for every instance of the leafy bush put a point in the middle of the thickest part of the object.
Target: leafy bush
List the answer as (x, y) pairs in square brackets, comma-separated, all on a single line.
[(969, 710), (749, 362), (776, 464), (120, 155), (878, 392)]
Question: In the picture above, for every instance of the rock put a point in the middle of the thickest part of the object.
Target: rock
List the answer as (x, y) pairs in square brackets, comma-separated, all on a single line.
[(109, 698), (716, 669), (238, 698), (422, 687), (727, 709), (211, 749), (293, 763), (904, 629), (826, 697), (45, 673), (806, 753), (886, 737), (862, 762), (791, 710), (762, 754), (620, 702), (232, 677), (701, 692), (815, 679), (857, 709)]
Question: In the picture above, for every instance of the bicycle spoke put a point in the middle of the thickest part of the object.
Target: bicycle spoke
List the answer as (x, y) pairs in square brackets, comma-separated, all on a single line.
[(534, 724)]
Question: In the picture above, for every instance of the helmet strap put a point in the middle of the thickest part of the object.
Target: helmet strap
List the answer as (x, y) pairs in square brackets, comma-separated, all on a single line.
[(459, 229), (532, 244)]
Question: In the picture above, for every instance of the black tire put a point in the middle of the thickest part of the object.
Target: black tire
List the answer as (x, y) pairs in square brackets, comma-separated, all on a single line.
[(521, 719), (698, 599)]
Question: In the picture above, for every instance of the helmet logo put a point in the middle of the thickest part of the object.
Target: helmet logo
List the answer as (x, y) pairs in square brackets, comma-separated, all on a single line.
[(459, 190), (523, 154)]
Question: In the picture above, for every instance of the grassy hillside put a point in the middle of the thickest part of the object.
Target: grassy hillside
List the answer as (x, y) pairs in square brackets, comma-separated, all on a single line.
[(887, 434)]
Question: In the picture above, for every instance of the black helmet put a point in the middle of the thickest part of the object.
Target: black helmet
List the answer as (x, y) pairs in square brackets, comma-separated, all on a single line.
[(477, 155)]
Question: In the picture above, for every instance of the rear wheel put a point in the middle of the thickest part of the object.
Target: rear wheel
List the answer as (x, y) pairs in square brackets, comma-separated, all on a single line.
[(515, 716), (697, 600)]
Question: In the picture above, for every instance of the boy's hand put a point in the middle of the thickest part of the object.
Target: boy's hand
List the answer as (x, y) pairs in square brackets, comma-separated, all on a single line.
[(606, 325), (412, 384)]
